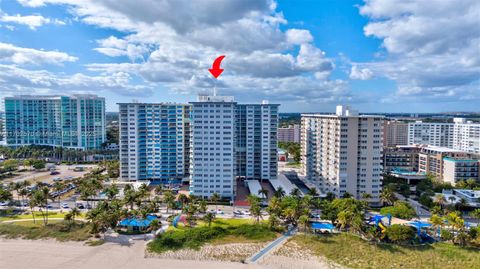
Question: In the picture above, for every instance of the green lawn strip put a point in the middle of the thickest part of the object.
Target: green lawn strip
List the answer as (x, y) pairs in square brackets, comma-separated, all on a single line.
[(38, 216), (354, 252), (222, 231), (56, 229)]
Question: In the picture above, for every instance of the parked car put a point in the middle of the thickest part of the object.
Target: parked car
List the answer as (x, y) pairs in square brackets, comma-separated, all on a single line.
[(54, 173), (65, 206), (4, 203)]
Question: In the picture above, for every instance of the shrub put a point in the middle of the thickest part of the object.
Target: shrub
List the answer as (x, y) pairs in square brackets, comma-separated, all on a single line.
[(400, 233), (400, 210), (446, 235)]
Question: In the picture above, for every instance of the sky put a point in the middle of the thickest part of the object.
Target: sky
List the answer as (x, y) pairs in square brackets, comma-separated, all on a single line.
[(307, 55)]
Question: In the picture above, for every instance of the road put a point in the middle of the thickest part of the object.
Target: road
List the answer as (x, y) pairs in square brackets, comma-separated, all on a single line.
[(419, 208)]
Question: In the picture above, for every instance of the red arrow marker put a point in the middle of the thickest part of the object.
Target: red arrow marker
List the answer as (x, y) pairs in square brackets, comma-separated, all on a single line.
[(216, 71)]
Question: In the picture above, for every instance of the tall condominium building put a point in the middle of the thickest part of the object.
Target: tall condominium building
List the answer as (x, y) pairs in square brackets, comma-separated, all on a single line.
[(466, 135), (2, 126), (461, 135), (76, 121), (430, 133), (395, 133), (231, 140), (154, 141), (343, 152), (289, 134)]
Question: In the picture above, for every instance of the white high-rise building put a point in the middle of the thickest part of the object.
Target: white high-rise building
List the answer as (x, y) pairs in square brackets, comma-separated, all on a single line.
[(430, 133), (466, 135), (460, 135), (231, 140), (342, 152)]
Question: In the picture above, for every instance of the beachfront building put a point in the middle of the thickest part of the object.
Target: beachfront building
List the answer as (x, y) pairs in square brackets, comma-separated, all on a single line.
[(342, 152), (289, 134), (395, 133), (231, 140), (154, 141), (76, 121)]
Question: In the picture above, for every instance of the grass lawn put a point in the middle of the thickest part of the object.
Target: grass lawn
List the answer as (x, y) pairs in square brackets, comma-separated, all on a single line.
[(38, 216), (354, 252), (222, 231), (58, 230)]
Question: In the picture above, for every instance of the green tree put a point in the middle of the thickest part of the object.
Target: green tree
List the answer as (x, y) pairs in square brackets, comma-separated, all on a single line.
[(38, 164), (215, 198), (388, 196), (169, 199), (303, 220), (400, 209), (475, 213), (255, 208), (208, 218), (437, 222), (263, 193), (5, 195), (10, 165), (279, 193), (400, 233)]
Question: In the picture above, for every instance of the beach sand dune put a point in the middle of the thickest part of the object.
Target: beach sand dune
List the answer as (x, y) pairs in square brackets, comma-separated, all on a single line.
[(40, 254)]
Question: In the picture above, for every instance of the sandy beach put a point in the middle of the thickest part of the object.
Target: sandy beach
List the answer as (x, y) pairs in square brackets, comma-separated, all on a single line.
[(41, 254)]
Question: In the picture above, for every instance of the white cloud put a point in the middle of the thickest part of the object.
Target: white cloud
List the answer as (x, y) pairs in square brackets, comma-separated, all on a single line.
[(19, 55), (298, 36), (15, 80), (360, 73), (172, 43), (433, 46), (32, 21)]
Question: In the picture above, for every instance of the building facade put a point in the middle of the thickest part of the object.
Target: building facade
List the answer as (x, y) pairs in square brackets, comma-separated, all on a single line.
[(430, 159), (343, 152), (154, 141), (460, 135), (289, 134), (76, 121), (402, 157), (466, 135), (231, 140), (395, 133), (429, 133), (457, 169)]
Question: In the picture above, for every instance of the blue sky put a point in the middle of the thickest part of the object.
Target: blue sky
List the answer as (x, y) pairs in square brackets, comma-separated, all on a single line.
[(378, 56)]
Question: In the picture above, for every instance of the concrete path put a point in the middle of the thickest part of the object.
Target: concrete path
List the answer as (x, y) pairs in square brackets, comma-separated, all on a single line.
[(270, 247)]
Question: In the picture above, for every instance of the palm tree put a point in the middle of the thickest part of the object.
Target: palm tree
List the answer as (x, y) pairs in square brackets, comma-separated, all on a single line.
[(23, 193), (440, 200), (313, 192), (111, 192), (208, 218), (215, 198), (183, 199), (304, 221), (388, 196), (437, 222), (255, 209), (46, 195), (159, 189), (296, 193), (169, 199), (58, 186), (263, 192), (130, 198), (279, 193), (202, 206), (75, 212)]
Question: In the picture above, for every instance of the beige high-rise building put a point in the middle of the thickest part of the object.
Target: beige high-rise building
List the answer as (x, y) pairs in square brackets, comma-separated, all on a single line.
[(395, 133), (342, 152)]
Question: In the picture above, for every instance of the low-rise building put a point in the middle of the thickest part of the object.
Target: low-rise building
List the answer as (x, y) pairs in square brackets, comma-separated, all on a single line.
[(455, 169), (430, 159), (403, 157), (395, 133)]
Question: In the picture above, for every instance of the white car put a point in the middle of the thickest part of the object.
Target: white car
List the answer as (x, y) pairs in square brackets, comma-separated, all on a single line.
[(3, 203), (220, 212), (65, 206)]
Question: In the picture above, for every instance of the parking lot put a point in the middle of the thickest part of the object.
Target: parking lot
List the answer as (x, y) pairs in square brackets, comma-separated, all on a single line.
[(64, 171)]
